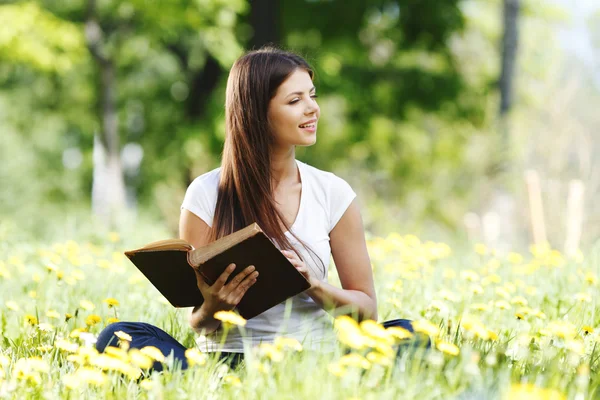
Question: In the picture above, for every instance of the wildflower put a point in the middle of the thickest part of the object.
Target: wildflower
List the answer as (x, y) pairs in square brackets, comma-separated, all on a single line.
[(232, 380), (230, 318), (113, 237), (587, 330), (481, 249), (519, 316), (111, 302), (112, 320), (87, 305), (519, 300), (479, 307), (377, 358), (514, 258), (591, 278), (146, 384), (118, 353), (503, 305), (575, 346), (470, 275), (476, 289), (563, 329), (270, 351), (75, 333), (140, 359), (354, 360), (68, 316), (583, 297), (4, 361), (375, 331), (291, 343), (153, 353), (63, 344), (12, 305), (336, 369), (92, 319), (399, 333), (527, 391), (123, 336), (195, 357), (492, 335), (45, 327), (91, 376), (426, 327), (31, 319), (32, 294), (44, 349), (448, 348), (52, 314), (350, 334)]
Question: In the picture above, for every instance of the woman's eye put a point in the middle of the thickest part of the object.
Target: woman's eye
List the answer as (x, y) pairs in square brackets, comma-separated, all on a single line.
[(314, 96)]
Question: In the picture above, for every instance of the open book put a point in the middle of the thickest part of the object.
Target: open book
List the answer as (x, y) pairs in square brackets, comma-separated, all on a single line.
[(168, 266)]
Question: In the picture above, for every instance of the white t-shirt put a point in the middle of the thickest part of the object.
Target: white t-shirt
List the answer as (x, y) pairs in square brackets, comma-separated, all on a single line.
[(324, 199)]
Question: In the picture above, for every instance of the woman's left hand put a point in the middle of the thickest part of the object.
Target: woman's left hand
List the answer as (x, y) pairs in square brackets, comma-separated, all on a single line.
[(302, 268)]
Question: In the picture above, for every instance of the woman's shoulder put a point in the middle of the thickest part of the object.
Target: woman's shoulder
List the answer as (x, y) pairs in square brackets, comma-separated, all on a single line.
[(323, 179), (208, 178)]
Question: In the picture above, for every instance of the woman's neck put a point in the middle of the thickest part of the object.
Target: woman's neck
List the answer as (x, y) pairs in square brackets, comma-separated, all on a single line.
[(283, 167)]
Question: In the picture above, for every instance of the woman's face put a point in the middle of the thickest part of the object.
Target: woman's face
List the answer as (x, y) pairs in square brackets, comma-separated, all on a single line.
[(293, 112)]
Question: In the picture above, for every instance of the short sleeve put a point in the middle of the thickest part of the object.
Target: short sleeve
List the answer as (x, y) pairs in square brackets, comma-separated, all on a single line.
[(340, 196), (201, 197)]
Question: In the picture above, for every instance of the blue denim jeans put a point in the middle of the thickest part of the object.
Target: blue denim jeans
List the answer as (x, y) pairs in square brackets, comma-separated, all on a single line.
[(143, 334)]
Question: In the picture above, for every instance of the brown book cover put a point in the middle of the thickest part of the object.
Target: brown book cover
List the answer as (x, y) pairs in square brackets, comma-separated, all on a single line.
[(168, 266)]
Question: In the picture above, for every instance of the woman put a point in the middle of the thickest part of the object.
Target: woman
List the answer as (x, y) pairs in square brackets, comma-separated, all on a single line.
[(309, 214)]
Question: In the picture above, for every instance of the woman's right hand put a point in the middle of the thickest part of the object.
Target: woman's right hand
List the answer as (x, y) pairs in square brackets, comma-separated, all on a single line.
[(222, 296)]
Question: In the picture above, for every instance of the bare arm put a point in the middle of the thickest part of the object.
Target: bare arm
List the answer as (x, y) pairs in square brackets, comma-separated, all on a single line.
[(352, 261)]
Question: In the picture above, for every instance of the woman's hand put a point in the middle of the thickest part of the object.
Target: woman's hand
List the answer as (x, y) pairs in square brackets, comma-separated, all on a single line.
[(224, 297), (302, 268)]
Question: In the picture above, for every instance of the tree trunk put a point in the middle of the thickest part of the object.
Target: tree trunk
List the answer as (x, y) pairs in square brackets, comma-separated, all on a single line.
[(108, 188), (510, 42), (265, 19)]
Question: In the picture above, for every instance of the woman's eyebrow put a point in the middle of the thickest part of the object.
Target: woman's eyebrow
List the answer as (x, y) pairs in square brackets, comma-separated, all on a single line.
[(299, 93)]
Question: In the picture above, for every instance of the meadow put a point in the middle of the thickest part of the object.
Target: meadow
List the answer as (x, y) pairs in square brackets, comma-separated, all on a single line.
[(502, 326)]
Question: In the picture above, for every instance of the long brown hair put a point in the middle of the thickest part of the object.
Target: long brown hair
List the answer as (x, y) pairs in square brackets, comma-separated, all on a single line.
[(245, 193)]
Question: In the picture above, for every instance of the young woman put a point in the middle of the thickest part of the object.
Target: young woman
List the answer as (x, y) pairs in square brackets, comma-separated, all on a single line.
[(309, 214)]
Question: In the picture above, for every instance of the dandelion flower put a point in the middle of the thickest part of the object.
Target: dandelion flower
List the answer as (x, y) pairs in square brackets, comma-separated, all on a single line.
[(290, 343), (336, 369), (153, 353), (123, 336), (140, 359), (399, 333), (230, 317), (587, 330), (146, 384), (63, 344), (354, 360), (91, 376), (270, 351), (377, 358), (232, 380), (52, 314), (111, 302), (45, 327), (426, 327), (31, 319), (92, 319), (87, 305), (448, 348), (112, 320), (195, 357), (12, 305)]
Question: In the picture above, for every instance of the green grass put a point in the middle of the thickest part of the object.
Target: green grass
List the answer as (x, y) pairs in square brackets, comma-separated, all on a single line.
[(524, 326)]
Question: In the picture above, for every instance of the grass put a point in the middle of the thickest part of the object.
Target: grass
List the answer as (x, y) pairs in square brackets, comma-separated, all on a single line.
[(502, 325)]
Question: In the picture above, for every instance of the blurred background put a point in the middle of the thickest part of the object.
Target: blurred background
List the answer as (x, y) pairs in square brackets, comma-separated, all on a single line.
[(454, 120)]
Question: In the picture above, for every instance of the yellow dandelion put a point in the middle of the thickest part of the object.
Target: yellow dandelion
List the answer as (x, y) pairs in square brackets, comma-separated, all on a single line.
[(117, 352), (502, 305), (514, 258), (492, 335), (87, 305), (140, 359), (587, 330), (53, 314), (230, 318), (32, 294), (376, 357), (354, 360), (12, 305), (153, 353), (30, 319), (111, 302), (289, 343), (426, 327), (112, 320), (232, 380), (481, 249), (520, 316), (399, 333), (563, 329), (519, 300), (336, 369), (91, 376), (479, 307), (44, 349), (123, 336), (68, 316), (92, 319), (583, 297), (375, 331), (591, 278), (45, 327), (195, 357), (270, 351), (146, 384), (527, 391), (76, 332), (448, 348), (575, 346)]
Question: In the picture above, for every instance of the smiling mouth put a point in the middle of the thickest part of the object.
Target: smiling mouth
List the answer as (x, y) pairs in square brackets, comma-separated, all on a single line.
[(308, 125)]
